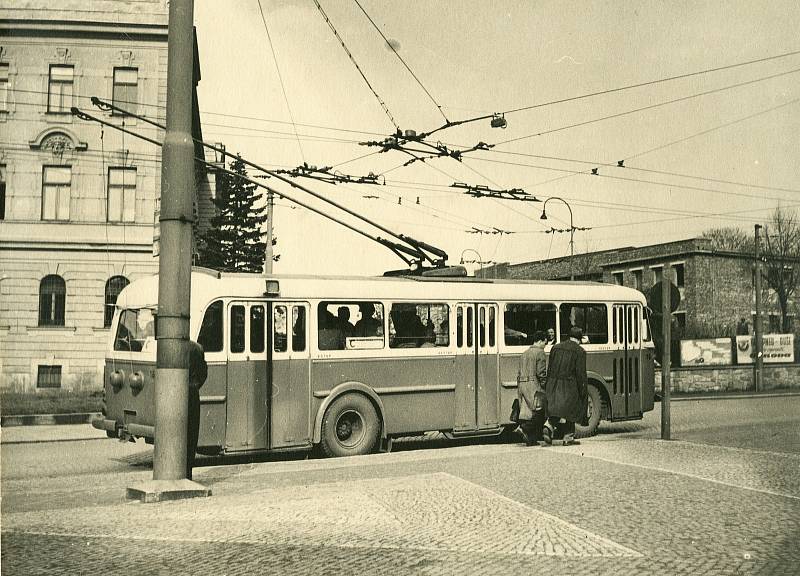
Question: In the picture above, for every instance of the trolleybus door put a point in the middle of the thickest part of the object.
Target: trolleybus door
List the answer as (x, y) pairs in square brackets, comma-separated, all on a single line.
[(289, 374), (477, 367), (247, 399), (626, 390)]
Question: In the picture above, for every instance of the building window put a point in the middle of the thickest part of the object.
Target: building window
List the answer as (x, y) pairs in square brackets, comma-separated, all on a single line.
[(60, 88), (619, 278), (48, 377), (2, 192), (637, 279), (680, 318), (52, 300), (658, 273), (3, 87), (121, 194), (56, 184), (114, 286), (126, 90), (679, 274)]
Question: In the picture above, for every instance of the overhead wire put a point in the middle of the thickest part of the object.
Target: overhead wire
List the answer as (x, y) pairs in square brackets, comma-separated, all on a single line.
[(280, 77), (353, 60), (396, 53), (650, 107)]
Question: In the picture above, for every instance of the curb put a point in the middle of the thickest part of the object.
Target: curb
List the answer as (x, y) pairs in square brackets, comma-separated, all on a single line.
[(731, 396), (48, 419)]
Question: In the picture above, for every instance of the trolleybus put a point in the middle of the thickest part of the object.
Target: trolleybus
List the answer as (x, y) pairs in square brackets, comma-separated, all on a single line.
[(348, 364)]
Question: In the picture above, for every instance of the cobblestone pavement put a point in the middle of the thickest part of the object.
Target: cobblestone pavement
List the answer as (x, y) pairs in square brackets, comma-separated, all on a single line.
[(609, 506)]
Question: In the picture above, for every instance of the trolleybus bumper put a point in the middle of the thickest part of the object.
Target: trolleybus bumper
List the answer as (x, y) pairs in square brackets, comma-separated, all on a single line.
[(126, 431)]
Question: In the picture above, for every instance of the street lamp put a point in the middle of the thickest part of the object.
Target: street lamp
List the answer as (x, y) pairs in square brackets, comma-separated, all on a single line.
[(571, 232), (479, 261)]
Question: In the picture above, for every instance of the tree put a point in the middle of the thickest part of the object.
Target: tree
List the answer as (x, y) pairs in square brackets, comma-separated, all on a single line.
[(781, 254), (729, 239), (235, 242)]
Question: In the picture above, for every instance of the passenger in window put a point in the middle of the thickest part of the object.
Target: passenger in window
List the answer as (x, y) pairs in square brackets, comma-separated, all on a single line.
[(430, 333), (343, 322), (551, 336), (329, 336), (368, 325)]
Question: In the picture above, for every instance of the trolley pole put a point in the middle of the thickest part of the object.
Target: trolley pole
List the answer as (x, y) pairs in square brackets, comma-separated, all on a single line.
[(666, 315), (268, 250), (758, 363), (175, 268)]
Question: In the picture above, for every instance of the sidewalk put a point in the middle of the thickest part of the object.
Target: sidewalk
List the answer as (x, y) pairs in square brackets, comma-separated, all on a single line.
[(49, 433)]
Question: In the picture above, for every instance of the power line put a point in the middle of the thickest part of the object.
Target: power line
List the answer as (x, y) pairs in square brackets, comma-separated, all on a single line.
[(353, 60), (280, 78), (651, 82), (651, 106), (389, 44)]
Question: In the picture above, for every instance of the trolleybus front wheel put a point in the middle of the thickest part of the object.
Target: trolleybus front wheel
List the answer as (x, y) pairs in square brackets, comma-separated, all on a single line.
[(594, 411), (350, 426)]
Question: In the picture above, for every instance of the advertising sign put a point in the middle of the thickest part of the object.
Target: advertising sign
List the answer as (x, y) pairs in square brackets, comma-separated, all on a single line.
[(776, 348), (710, 352)]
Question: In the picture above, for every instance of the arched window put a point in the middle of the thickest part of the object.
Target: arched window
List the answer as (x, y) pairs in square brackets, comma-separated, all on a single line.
[(114, 286), (52, 300)]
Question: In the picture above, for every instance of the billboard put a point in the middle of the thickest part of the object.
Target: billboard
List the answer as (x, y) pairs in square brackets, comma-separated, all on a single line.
[(707, 352), (776, 348)]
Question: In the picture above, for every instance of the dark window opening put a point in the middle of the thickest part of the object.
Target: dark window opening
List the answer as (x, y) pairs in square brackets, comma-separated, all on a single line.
[(257, 330), (591, 318), (419, 325), (237, 329), (48, 377), (52, 300), (114, 286), (523, 320), (211, 337), (351, 325)]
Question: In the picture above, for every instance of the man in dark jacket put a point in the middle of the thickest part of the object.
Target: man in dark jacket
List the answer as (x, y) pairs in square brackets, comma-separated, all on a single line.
[(566, 387), (198, 371)]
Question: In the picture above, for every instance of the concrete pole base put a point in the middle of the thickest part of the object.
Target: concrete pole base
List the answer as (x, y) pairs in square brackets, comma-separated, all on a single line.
[(163, 490)]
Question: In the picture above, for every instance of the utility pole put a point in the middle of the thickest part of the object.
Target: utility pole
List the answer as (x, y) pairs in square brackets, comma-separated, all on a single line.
[(758, 363), (666, 315), (175, 271), (268, 251)]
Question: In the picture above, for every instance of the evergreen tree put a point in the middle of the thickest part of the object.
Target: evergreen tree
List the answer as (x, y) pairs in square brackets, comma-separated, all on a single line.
[(235, 242)]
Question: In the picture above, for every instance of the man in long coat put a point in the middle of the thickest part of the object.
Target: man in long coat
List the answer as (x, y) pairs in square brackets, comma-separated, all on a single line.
[(566, 387), (198, 372)]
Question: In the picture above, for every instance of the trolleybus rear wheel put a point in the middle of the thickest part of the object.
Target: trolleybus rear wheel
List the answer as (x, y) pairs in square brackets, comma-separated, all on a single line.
[(594, 410), (350, 426)]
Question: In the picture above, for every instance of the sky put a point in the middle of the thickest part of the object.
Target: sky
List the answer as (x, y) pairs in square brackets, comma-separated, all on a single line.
[(714, 149)]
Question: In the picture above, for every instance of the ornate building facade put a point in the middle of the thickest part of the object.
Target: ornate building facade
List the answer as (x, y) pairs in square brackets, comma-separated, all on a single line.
[(78, 202)]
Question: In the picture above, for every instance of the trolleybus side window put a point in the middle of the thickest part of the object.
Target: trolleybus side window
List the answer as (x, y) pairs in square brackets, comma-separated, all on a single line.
[(350, 325), (211, 337), (298, 328), (521, 321), (419, 325), (257, 332), (237, 329), (279, 329), (591, 318), (459, 327)]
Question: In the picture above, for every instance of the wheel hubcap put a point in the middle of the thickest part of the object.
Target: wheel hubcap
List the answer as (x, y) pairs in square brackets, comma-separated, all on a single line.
[(349, 428)]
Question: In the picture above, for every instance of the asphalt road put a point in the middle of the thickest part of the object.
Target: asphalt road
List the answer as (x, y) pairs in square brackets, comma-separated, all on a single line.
[(723, 498)]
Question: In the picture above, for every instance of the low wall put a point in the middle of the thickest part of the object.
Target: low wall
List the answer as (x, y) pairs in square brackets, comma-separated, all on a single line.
[(730, 378)]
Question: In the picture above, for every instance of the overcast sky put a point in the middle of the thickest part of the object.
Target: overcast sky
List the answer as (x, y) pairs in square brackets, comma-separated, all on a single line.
[(739, 144)]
